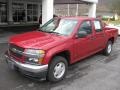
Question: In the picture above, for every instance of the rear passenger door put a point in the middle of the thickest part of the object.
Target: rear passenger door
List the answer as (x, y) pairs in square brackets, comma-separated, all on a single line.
[(99, 35)]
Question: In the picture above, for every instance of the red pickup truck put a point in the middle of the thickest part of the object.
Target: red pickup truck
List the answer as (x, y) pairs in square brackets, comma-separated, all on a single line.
[(48, 51)]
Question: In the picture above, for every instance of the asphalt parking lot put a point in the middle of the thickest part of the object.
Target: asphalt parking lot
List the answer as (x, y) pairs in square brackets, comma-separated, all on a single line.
[(97, 72)]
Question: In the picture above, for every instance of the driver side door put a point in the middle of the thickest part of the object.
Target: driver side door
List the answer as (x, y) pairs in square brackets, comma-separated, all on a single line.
[(84, 46)]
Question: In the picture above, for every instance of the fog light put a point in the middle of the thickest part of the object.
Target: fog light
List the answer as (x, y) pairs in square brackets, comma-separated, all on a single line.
[(33, 60)]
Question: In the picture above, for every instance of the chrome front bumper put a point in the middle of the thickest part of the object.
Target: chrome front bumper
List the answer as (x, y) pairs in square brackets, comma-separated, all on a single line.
[(25, 67)]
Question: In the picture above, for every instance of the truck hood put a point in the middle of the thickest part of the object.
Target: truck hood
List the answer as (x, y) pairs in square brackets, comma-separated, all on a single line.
[(37, 40)]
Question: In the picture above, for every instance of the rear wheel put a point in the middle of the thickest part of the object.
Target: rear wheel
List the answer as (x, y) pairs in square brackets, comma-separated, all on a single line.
[(107, 51), (57, 69)]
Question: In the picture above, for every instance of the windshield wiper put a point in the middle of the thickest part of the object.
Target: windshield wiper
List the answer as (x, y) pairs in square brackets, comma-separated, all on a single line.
[(55, 32), (43, 30), (50, 32)]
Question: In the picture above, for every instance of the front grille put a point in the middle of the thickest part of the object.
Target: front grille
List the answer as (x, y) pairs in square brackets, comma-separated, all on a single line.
[(15, 50)]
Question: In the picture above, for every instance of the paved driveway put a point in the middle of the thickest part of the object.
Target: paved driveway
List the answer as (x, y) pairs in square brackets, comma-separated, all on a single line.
[(97, 72)]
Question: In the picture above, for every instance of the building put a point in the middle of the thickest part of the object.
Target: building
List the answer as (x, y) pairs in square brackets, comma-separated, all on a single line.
[(19, 11), (14, 12)]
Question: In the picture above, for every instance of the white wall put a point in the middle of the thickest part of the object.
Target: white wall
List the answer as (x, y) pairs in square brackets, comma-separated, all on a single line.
[(47, 10), (92, 10)]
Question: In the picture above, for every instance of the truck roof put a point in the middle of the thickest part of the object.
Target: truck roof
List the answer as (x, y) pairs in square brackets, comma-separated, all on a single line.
[(78, 18)]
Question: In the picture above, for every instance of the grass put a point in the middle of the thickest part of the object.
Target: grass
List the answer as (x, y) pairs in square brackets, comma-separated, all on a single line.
[(113, 22)]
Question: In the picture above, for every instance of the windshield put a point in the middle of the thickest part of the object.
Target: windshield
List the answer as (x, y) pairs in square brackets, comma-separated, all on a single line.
[(60, 26)]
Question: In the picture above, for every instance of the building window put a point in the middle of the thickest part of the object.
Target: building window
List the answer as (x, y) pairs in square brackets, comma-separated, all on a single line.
[(18, 12), (3, 12), (32, 12)]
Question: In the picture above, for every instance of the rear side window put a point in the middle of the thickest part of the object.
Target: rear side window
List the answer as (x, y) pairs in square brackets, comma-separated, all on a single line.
[(98, 26)]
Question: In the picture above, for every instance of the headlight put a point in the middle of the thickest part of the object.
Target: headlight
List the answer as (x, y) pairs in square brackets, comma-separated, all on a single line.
[(34, 56), (34, 53)]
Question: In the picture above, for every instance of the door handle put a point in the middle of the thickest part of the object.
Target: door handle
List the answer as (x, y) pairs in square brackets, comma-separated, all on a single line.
[(92, 38), (103, 35)]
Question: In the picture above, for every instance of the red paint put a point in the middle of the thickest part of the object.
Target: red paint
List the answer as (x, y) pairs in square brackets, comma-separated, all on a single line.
[(53, 44)]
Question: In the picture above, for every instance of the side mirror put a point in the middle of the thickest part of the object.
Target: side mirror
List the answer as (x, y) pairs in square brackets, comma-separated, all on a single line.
[(40, 26), (82, 34)]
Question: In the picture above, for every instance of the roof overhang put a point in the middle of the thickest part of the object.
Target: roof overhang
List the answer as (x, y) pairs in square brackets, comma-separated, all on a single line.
[(91, 1), (75, 1)]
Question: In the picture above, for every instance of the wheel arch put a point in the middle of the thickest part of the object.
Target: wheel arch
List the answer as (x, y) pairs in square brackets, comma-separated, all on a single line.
[(65, 54), (112, 39)]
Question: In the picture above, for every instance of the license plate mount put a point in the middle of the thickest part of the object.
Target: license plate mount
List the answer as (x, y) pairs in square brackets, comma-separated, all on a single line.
[(11, 64)]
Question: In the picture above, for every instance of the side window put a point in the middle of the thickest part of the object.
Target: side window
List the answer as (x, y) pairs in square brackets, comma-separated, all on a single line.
[(50, 25), (98, 26), (86, 26)]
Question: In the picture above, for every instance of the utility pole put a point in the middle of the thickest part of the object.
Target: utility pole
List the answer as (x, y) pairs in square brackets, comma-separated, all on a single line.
[(77, 9), (68, 9)]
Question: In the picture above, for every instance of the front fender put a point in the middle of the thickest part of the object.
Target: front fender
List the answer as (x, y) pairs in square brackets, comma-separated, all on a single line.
[(58, 49), (50, 53)]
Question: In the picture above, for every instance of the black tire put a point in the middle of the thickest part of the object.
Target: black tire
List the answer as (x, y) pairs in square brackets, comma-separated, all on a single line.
[(51, 70), (106, 51)]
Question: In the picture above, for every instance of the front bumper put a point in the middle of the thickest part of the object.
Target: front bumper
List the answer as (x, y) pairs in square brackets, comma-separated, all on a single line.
[(27, 69)]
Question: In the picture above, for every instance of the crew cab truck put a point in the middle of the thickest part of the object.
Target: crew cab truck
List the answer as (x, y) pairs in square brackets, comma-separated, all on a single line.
[(48, 51)]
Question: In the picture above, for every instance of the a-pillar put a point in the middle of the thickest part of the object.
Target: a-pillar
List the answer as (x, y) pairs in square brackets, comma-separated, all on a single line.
[(92, 10), (9, 10), (47, 10)]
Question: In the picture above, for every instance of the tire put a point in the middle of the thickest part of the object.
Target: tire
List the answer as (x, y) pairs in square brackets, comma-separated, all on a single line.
[(107, 51), (57, 69)]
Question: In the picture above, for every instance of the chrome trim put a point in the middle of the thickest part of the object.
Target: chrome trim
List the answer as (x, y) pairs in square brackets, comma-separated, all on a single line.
[(28, 67), (30, 55), (16, 51)]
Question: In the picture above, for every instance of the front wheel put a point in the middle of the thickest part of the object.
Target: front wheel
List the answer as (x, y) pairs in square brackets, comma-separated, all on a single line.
[(57, 69), (108, 48)]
